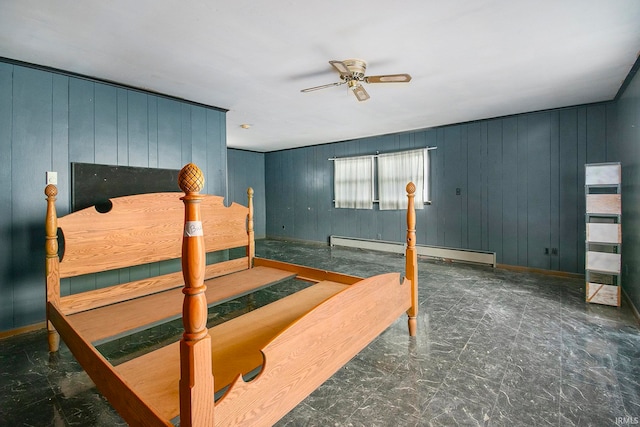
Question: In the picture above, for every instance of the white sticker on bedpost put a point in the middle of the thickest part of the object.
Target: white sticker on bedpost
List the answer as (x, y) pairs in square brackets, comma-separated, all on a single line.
[(193, 229)]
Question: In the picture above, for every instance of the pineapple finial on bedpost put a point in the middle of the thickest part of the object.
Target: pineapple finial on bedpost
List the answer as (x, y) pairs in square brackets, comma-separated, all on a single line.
[(412, 259), (196, 378), (251, 247), (51, 263)]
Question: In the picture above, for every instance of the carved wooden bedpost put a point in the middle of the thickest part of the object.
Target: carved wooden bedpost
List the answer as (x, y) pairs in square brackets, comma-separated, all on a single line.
[(196, 378), (52, 271), (251, 247), (412, 259)]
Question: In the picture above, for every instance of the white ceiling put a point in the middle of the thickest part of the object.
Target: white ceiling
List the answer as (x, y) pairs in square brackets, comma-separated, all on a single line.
[(469, 59)]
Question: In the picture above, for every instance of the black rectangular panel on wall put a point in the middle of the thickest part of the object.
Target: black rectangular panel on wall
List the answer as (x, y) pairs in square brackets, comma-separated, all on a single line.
[(94, 184)]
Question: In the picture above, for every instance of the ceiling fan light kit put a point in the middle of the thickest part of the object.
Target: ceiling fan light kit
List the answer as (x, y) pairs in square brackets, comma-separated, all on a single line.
[(352, 72)]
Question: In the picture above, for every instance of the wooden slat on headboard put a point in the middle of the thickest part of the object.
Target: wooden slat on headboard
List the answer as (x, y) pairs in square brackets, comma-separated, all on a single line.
[(142, 229)]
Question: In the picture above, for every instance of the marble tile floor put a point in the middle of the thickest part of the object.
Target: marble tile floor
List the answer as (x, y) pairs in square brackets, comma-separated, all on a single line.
[(494, 348)]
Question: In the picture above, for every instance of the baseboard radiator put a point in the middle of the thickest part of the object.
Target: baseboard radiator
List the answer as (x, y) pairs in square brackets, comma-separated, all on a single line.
[(439, 252)]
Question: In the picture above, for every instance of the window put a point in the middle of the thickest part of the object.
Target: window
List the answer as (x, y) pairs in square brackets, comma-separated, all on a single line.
[(395, 170), (355, 187), (353, 182)]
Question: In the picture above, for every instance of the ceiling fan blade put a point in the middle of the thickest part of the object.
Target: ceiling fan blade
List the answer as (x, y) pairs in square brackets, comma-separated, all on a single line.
[(311, 89), (341, 67), (360, 93), (389, 78)]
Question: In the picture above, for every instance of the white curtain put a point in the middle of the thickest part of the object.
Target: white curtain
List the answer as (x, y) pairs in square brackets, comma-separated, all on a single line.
[(353, 182), (395, 171)]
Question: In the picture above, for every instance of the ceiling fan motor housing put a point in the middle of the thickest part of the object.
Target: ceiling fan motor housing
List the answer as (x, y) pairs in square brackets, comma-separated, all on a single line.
[(357, 67)]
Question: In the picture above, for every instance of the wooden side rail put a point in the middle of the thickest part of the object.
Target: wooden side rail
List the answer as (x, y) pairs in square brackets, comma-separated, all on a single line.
[(307, 273), (128, 404)]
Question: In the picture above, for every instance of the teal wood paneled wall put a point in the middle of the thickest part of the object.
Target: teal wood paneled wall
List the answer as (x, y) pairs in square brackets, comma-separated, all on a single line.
[(627, 151), (521, 180), (47, 121), (246, 169)]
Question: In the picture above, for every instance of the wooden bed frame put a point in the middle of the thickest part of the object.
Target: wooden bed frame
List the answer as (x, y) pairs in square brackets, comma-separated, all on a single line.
[(294, 344)]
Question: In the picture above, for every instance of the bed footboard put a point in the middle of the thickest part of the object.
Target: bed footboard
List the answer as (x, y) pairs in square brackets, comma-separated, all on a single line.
[(308, 352)]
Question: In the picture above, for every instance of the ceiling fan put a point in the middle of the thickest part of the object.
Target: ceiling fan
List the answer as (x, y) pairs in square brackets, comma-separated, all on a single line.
[(352, 74)]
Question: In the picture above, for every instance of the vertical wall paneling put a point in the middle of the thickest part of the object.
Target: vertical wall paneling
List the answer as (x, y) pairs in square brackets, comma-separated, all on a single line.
[(596, 133), (464, 187), (627, 146), (580, 202), (185, 133), (6, 220), (494, 188), (323, 193), (30, 157), (152, 129), (538, 188), (454, 178), (568, 195), (431, 211), (199, 136), (169, 134), (247, 169), (484, 172), (554, 190), (106, 125), (473, 193), (137, 129), (271, 165), (216, 154), (613, 133), (298, 202), (60, 150), (510, 191), (47, 121), (523, 190), (288, 196), (81, 121), (122, 107), (440, 185)]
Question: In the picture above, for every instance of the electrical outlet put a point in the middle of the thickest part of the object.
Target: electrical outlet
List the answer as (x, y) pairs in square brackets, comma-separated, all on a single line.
[(458, 191), (52, 178)]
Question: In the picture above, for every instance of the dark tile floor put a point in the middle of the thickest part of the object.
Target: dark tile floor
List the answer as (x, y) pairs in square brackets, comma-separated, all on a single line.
[(494, 348)]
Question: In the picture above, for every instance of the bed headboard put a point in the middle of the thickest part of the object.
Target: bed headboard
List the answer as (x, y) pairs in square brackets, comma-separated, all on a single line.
[(147, 228)]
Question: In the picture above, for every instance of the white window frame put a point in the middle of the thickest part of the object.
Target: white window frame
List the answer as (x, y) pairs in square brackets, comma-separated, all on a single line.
[(426, 178)]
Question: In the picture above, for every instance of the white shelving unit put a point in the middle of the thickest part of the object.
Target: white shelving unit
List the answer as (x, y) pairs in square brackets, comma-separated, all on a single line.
[(603, 244)]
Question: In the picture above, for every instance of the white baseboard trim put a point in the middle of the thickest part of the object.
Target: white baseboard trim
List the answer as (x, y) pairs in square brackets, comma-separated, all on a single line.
[(439, 252)]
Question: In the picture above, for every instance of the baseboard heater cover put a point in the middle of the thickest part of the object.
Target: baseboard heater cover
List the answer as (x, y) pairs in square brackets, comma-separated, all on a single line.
[(440, 252)]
